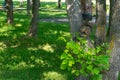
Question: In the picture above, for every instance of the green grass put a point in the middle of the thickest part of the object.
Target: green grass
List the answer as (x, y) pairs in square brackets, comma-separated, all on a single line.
[(54, 13), (24, 58), (50, 10), (47, 9)]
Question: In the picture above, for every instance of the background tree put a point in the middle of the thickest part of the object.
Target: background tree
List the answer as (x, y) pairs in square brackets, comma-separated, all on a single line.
[(110, 16), (21, 3), (59, 3), (114, 41), (100, 34), (28, 6), (9, 7), (34, 21)]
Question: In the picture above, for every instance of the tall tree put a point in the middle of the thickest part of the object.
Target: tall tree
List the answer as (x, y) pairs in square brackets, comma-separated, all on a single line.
[(114, 41), (9, 7), (75, 16), (78, 14), (34, 21), (100, 34)]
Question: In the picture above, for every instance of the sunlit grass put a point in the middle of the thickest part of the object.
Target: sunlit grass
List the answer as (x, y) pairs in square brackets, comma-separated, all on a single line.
[(26, 53), (25, 58), (53, 76), (50, 10), (52, 14)]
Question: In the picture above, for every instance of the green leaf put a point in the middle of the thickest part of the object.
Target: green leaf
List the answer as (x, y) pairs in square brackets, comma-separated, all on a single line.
[(73, 71), (70, 44), (65, 61), (71, 62), (77, 73), (95, 71), (63, 56), (76, 51), (90, 67), (63, 66)]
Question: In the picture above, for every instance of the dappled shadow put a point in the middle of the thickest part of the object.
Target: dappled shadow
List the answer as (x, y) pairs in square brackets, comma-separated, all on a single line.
[(24, 52), (30, 53), (25, 58), (56, 13), (51, 5), (50, 10)]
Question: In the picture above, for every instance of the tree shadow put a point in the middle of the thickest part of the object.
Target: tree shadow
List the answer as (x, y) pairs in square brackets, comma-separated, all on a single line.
[(24, 58)]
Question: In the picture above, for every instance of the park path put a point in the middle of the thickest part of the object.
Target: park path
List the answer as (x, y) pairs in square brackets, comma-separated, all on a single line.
[(56, 20), (65, 20)]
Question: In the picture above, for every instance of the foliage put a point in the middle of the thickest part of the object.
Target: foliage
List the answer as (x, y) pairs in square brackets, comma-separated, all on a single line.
[(81, 60)]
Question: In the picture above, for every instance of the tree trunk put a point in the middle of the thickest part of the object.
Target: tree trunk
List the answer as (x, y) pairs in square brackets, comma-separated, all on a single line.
[(21, 3), (78, 28), (9, 7), (100, 34), (75, 16), (39, 3), (114, 41), (110, 16), (59, 3), (28, 7), (34, 21)]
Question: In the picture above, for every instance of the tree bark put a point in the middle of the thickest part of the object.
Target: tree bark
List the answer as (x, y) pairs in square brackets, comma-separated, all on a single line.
[(34, 21), (75, 16), (114, 42), (9, 7), (100, 34)]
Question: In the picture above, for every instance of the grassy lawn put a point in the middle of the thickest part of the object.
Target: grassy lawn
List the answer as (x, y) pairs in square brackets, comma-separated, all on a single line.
[(24, 58), (47, 9), (50, 10)]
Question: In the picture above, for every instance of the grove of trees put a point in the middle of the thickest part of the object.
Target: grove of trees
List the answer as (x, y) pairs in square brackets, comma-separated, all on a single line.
[(79, 15)]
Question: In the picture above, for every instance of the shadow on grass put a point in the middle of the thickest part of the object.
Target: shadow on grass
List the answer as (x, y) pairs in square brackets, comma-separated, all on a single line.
[(24, 58), (52, 5)]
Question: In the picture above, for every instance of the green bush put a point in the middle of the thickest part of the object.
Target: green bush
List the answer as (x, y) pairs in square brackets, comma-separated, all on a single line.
[(88, 62)]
